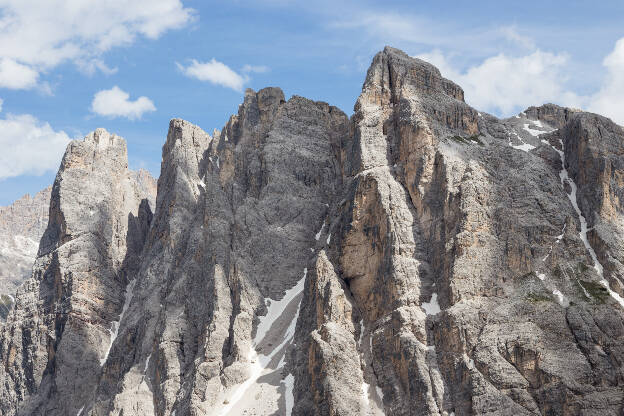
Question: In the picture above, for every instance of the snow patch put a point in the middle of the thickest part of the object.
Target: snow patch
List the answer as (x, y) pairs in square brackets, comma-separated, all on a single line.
[(276, 309), (379, 393), (432, 307), (259, 362), (80, 411), (563, 301), (565, 177), (541, 276), (531, 131), (289, 397), (328, 238), (115, 325), (365, 387), (525, 147), (147, 363), (318, 235)]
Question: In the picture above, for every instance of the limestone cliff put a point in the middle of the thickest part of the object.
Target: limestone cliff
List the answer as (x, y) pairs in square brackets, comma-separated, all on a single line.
[(21, 226), (420, 258)]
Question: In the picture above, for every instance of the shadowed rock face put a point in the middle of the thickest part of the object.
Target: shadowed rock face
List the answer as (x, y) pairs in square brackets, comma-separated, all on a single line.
[(421, 258)]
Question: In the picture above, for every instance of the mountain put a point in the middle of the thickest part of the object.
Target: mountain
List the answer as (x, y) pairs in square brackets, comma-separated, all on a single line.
[(419, 258), (21, 226)]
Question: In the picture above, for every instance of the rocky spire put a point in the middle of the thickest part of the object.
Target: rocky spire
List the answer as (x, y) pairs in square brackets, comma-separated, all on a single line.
[(420, 258), (55, 341)]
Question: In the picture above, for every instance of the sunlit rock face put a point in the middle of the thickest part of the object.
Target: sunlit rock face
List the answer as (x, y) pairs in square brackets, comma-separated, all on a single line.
[(419, 258), (21, 226)]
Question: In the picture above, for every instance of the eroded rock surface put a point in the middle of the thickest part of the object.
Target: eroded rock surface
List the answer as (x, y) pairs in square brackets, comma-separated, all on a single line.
[(56, 338), (420, 258)]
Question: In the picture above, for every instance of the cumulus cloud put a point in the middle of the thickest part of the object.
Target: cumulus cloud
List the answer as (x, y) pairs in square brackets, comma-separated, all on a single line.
[(608, 100), (36, 36), (214, 72), (91, 66), (116, 103), (16, 76), (29, 146), (504, 84)]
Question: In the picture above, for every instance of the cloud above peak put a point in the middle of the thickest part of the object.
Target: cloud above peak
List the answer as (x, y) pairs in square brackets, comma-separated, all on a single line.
[(503, 84), (116, 103), (214, 72), (30, 147), (36, 36), (608, 100)]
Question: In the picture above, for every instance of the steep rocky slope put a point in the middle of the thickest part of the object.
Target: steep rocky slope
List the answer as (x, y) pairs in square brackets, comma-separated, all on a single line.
[(21, 226), (421, 258)]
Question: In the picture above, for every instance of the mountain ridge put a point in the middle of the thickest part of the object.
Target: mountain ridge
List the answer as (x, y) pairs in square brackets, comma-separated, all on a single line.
[(420, 257)]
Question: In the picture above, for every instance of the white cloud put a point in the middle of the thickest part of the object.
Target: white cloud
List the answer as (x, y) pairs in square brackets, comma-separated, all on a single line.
[(29, 146), (16, 76), (1, 102), (89, 67), (511, 34), (260, 69), (608, 100), (503, 84), (215, 72), (116, 103), (39, 35)]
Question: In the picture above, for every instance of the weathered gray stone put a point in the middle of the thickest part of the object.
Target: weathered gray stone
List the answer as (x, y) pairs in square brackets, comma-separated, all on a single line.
[(422, 258)]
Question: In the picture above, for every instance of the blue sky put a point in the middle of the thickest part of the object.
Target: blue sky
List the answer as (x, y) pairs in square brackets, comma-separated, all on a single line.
[(66, 69)]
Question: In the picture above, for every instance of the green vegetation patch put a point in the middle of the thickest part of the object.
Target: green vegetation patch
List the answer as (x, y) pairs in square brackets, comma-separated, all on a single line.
[(538, 297), (582, 267), (528, 275), (595, 290), (468, 140), (5, 306)]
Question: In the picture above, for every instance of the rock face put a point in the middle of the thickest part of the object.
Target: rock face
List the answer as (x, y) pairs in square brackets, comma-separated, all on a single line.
[(420, 258), (21, 226), (65, 316)]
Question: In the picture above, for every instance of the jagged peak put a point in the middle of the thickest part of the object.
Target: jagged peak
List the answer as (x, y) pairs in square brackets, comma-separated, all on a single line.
[(392, 70), (103, 139)]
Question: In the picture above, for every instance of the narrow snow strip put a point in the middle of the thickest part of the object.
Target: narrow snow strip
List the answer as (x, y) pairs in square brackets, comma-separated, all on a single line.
[(289, 396), (115, 325), (587, 295), (583, 233), (147, 363), (276, 309), (525, 147), (80, 411), (365, 399), (432, 307), (259, 362), (328, 238), (560, 236), (318, 235), (361, 332)]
